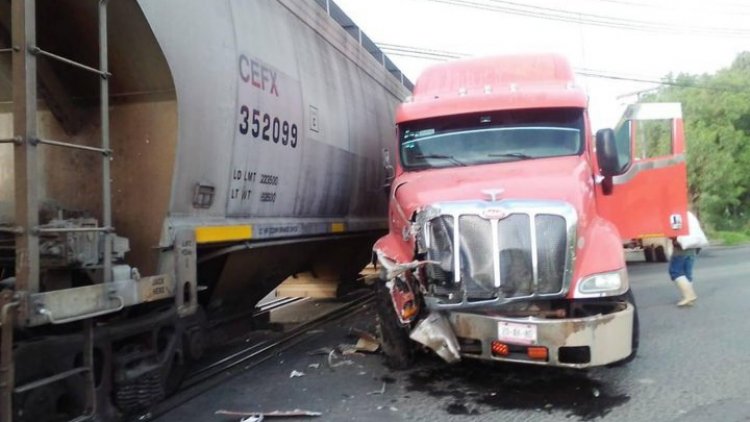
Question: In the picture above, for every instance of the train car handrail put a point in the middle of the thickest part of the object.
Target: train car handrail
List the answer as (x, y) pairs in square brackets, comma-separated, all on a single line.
[(53, 320), (337, 14)]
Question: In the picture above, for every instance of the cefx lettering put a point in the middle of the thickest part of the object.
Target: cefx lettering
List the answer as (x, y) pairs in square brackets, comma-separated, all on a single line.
[(258, 75)]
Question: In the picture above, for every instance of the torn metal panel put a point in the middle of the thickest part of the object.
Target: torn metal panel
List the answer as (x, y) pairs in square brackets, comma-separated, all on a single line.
[(395, 269), (436, 333)]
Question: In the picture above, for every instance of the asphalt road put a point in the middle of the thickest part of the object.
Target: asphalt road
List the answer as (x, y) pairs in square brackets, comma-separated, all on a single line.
[(693, 365)]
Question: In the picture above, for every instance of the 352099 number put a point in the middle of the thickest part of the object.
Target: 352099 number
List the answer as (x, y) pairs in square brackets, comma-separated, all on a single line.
[(268, 128)]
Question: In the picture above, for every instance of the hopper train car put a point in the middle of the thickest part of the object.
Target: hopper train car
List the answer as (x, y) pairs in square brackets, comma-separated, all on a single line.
[(166, 161)]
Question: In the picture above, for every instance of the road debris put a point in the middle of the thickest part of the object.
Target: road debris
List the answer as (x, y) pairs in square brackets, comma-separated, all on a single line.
[(259, 416), (295, 373), (332, 360), (320, 351), (349, 350), (366, 342), (314, 365), (378, 392)]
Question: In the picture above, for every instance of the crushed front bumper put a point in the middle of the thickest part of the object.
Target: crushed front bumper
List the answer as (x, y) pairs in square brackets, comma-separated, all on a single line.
[(572, 342)]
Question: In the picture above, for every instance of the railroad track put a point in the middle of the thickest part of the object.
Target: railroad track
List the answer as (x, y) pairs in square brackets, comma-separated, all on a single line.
[(209, 376)]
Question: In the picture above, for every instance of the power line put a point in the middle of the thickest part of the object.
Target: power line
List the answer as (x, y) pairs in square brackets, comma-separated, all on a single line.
[(428, 53), (539, 12), (589, 18), (662, 6)]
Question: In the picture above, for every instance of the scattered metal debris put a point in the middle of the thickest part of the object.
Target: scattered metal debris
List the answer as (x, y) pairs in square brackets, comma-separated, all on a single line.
[(314, 365), (332, 358), (366, 341), (259, 416), (321, 351), (295, 373), (378, 392), (349, 350)]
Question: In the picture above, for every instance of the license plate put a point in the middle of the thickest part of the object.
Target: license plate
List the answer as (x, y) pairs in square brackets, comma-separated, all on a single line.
[(516, 333)]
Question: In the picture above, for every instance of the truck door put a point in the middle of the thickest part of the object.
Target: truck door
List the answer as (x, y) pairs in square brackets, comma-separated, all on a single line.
[(650, 198)]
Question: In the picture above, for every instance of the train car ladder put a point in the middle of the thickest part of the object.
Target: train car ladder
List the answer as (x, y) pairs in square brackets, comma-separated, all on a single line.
[(25, 53)]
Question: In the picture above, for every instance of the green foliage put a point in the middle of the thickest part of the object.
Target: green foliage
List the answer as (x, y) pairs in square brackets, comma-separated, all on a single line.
[(654, 138), (716, 111), (730, 238)]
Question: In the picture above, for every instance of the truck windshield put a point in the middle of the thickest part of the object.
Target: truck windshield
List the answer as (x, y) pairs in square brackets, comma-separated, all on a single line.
[(491, 138)]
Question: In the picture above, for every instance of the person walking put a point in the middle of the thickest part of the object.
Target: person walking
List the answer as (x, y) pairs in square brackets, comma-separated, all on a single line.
[(681, 263)]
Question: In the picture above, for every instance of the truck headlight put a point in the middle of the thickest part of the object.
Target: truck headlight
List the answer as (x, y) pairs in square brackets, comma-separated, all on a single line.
[(604, 284)]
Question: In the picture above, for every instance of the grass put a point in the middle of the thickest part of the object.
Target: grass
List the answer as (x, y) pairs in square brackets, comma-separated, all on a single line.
[(730, 238)]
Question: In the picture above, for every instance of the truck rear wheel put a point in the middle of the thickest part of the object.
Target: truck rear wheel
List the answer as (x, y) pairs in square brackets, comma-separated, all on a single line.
[(648, 253), (630, 298), (394, 337), (663, 253)]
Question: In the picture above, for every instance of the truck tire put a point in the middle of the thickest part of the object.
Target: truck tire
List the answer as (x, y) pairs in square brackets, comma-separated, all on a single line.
[(636, 332), (648, 253), (660, 254), (395, 343)]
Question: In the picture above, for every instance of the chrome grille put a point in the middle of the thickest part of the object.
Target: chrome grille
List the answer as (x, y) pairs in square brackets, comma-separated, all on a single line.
[(525, 251), (516, 267), (441, 250), (477, 267), (551, 243)]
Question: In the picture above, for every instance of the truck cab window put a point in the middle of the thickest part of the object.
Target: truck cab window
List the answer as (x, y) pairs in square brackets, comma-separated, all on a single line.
[(495, 138), (622, 138), (653, 138)]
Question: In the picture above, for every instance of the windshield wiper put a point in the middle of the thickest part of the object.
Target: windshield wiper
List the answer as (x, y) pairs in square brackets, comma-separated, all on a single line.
[(519, 155), (450, 158)]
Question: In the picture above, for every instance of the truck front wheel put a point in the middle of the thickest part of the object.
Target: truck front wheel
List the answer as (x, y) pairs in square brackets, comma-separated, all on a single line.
[(628, 297), (394, 337)]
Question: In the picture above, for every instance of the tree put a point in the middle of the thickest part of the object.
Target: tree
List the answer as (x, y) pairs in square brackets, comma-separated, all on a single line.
[(716, 110)]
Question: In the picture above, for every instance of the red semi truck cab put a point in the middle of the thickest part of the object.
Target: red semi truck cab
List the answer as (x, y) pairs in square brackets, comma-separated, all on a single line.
[(507, 217)]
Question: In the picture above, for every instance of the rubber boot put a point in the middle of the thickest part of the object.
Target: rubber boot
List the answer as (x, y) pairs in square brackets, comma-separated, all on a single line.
[(686, 288)]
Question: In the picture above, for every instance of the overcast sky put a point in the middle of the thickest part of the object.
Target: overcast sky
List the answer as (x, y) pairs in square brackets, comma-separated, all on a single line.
[(662, 36)]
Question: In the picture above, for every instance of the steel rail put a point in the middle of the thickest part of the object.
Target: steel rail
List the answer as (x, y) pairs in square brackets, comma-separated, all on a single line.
[(209, 377)]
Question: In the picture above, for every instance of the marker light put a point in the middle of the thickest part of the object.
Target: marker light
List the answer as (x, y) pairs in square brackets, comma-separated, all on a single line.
[(409, 311), (537, 353), (499, 349)]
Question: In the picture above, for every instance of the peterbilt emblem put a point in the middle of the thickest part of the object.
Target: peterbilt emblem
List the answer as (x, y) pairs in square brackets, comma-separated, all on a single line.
[(494, 194), (494, 214)]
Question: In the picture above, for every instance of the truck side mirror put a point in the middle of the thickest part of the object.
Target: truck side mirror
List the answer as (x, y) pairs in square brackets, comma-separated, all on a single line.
[(390, 172), (606, 155)]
